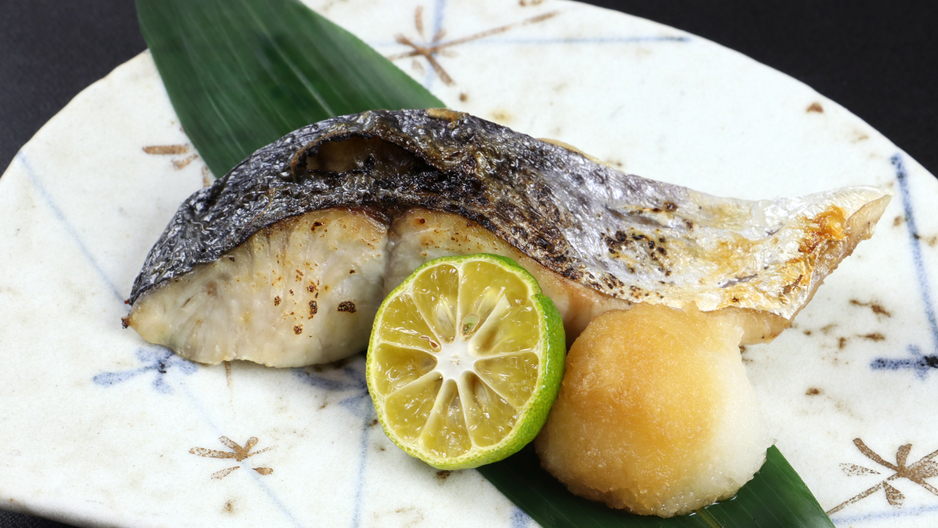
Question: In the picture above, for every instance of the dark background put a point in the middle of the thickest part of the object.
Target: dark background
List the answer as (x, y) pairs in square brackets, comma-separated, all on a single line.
[(877, 59)]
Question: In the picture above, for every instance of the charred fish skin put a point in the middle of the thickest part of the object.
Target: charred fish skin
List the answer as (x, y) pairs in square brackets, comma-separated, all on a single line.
[(438, 160), (619, 234)]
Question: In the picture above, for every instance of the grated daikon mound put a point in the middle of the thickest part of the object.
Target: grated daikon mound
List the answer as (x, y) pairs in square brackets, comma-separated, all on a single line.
[(655, 414)]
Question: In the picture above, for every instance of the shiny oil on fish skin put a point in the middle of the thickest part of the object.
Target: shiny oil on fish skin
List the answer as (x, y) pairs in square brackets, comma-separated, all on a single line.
[(285, 260)]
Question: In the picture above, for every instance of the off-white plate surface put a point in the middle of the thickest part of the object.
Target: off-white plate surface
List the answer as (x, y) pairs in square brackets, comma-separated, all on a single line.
[(98, 427)]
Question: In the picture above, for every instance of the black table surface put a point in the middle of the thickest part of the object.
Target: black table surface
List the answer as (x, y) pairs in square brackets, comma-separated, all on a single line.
[(877, 59)]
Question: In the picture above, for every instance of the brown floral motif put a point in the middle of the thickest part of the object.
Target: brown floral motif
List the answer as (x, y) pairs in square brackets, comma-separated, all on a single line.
[(179, 163), (430, 50), (173, 150), (916, 472), (237, 452)]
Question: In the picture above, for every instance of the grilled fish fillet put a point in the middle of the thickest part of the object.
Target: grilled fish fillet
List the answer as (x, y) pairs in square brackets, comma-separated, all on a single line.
[(285, 260)]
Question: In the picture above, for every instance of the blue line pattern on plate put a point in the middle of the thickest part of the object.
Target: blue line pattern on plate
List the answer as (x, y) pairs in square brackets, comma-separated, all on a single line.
[(519, 519), (69, 228), (581, 40), (350, 378), (255, 477), (918, 362), (910, 512), (902, 176), (347, 378), (438, 13), (484, 38), (155, 359), (545, 41)]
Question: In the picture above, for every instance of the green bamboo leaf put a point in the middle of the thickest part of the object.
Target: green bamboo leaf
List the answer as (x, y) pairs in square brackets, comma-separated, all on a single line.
[(242, 73), (775, 498)]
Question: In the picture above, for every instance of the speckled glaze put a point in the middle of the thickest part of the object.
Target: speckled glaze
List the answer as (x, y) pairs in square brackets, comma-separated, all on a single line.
[(100, 428)]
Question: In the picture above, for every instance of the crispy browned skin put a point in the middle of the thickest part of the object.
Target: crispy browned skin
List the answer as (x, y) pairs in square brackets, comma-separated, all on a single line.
[(603, 238)]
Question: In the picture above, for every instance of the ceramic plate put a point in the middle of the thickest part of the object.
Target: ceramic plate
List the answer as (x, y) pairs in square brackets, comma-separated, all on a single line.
[(101, 428)]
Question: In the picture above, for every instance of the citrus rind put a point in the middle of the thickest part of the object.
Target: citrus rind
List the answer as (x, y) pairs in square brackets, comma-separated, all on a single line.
[(465, 360)]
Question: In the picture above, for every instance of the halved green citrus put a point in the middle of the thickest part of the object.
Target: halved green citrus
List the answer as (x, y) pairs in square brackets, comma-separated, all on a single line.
[(465, 361)]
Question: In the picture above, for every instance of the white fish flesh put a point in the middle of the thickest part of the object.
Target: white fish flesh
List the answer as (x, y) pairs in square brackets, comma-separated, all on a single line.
[(285, 260)]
